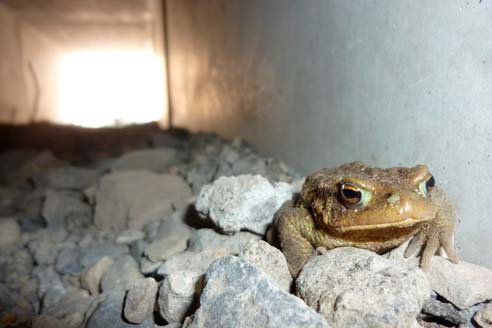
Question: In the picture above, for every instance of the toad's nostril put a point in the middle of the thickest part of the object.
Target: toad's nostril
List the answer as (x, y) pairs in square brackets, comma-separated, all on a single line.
[(393, 198)]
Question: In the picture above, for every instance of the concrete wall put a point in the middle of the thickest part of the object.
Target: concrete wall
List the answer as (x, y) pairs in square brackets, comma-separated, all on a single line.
[(323, 82)]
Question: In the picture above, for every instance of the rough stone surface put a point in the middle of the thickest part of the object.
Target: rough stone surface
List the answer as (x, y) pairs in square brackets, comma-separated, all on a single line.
[(74, 305), (189, 261), (463, 284), (140, 299), (162, 249), (446, 311), (9, 232), (120, 274), (129, 199), (156, 160), (91, 278), (44, 245), (178, 295), (209, 240), (484, 317), (61, 207), (129, 236), (67, 177), (237, 294), (94, 252), (109, 314), (353, 287), (270, 260), (246, 202), (68, 260)]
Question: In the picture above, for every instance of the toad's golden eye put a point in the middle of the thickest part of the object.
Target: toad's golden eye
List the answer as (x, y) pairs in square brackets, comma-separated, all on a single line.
[(426, 186), (351, 196)]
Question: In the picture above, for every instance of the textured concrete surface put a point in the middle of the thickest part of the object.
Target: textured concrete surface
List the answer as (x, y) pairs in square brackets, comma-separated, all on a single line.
[(326, 82)]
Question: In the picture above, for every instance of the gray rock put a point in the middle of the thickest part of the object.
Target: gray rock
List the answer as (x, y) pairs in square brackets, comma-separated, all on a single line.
[(137, 249), (244, 202), (66, 206), (156, 160), (44, 250), (178, 295), (129, 236), (200, 174), (209, 240), (171, 238), (270, 260), (237, 294), (249, 164), (47, 278), (19, 266), (68, 260), (463, 284), (189, 261), (18, 167), (446, 311), (129, 199), (140, 299), (484, 317), (66, 177), (74, 305), (9, 232), (353, 287), (147, 267), (109, 314), (119, 275), (96, 251), (162, 249), (91, 278)]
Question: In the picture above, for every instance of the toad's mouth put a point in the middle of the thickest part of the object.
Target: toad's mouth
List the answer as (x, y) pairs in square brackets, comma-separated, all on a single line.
[(408, 222)]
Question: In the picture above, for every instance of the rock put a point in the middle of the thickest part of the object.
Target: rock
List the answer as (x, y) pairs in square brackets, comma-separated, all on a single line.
[(209, 240), (178, 295), (68, 260), (18, 167), (445, 311), (119, 275), (43, 249), (129, 199), (484, 317), (156, 160), (108, 314), (353, 287), (47, 278), (162, 249), (249, 164), (463, 284), (66, 177), (74, 305), (171, 238), (62, 206), (269, 259), (237, 294), (19, 266), (140, 299), (94, 252), (243, 202), (147, 267), (9, 232), (137, 249), (189, 261), (44, 321), (129, 236), (200, 174), (91, 278)]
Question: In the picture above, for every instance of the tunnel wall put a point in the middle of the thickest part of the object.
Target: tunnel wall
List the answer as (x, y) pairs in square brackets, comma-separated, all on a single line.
[(321, 83)]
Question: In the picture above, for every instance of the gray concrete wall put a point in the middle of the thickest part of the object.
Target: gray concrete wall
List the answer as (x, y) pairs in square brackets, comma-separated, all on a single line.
[(319, 83)]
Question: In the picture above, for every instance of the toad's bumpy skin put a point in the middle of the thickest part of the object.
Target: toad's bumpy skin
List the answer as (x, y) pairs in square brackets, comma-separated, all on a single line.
[(372, 208)]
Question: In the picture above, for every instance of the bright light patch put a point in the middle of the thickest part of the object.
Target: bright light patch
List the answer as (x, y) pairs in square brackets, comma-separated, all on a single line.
[(101, 88)]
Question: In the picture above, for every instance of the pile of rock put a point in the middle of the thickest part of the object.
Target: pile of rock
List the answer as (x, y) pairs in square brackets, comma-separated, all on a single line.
[(172, 235)]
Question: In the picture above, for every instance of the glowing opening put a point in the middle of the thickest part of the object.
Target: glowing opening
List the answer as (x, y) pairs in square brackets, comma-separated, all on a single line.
[(112, 87)]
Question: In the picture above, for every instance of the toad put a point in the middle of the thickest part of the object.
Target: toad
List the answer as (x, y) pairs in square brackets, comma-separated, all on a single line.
[(361, 206)]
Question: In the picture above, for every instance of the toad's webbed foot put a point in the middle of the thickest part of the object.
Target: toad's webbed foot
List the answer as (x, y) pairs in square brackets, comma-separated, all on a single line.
[(435, 234)]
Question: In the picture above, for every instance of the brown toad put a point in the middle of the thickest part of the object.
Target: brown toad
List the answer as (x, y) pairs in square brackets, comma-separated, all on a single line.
[(372, 208)]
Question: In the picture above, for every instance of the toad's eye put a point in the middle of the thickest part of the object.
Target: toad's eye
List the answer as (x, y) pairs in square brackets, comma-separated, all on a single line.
[(352, 196), (426, 186)]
